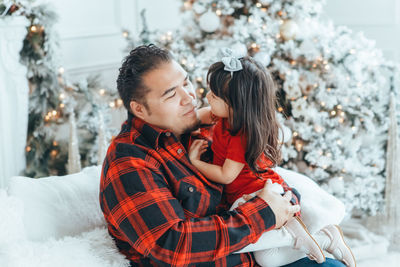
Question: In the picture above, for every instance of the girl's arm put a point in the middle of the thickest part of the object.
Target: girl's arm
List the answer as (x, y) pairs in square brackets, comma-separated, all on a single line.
[(205, 115), (223, 175)]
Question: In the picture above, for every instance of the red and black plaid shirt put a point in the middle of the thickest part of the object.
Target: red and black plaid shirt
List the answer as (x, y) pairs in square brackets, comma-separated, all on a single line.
[(162, 211)]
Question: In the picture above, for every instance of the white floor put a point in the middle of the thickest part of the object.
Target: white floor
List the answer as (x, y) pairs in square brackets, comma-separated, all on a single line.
[(392, 259)]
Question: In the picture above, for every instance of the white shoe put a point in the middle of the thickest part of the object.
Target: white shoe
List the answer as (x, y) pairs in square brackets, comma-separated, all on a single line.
[(338, 247), (304, 240)]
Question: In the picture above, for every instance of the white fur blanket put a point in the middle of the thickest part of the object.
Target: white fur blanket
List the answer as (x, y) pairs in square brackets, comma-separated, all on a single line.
[(57, 221)]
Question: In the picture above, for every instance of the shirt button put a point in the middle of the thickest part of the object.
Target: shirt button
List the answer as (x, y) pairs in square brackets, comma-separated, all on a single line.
[(168, 134), (191, 189), (179, 151)]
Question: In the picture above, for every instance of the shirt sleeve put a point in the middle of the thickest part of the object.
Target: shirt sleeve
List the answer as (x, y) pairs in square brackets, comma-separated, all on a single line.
[(137, 201), (235, 149)]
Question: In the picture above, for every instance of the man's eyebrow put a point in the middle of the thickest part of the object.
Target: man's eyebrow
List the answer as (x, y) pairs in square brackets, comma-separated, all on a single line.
[(173, 88)]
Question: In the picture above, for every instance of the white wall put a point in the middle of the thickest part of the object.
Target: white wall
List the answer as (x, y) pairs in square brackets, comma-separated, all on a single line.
[(92, 42), (378, 19), (91, 36)]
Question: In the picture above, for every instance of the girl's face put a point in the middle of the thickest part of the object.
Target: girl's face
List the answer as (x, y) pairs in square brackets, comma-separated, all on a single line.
[(218, 106)]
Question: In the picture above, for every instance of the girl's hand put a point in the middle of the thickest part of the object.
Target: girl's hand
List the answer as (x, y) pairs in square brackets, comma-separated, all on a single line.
[(197, 148)]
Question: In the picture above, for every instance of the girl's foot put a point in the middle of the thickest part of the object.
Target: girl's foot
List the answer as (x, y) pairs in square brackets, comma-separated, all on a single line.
[(338, 247), (304, 241)]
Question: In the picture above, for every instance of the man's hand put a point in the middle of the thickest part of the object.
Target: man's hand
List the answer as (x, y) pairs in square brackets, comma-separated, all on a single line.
[(197, 148), (280, 205)]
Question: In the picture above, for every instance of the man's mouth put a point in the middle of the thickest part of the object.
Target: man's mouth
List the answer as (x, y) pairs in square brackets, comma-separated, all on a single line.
[(189, 112)]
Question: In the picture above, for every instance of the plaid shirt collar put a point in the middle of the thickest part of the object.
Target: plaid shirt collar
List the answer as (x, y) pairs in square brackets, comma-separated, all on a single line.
[(151, 133)]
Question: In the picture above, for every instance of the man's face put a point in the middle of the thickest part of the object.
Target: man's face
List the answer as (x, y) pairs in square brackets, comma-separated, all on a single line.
[(171, 99)]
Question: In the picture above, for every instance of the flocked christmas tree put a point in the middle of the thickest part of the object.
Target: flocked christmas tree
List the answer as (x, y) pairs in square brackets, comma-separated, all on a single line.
[(53, 100), (334, 85)]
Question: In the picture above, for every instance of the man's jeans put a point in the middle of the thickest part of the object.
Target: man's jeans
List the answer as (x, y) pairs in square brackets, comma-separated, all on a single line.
[(305, 262)]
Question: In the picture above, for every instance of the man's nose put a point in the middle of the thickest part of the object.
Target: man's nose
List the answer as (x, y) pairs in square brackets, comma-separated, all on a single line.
[(188, 96)]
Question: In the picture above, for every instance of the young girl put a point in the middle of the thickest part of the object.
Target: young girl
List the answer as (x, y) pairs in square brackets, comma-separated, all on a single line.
[(246, 146)]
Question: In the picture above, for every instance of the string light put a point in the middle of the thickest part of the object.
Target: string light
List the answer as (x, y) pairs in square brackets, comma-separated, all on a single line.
[(322, 103), (318, 128), (258, 4), (250, 20), (62, 105), (62, 96), (61, 70), (112, 104), (278, 36), (125, 34), (33, 28), (280, 109), (293, 62), (184, 61), (333, 112), (339, 106), (201, 91), (352, 51), (253, 45), (55, 143), (339, 142), (199, 79), (295, 134), (299, 145), (119, 102), (102, 91), (329, 89), (187, 4), (263, 9), (219, 12), (54, 153), (28, 149)]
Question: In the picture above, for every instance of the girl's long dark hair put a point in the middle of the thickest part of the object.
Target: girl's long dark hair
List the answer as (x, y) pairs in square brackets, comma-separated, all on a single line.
[(251, 96)]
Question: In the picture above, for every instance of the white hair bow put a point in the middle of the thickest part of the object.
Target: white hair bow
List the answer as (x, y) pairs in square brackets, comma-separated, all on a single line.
[(231, 62)]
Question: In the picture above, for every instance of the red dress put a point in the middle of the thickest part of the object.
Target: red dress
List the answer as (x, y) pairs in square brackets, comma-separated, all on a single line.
[(226, 146)]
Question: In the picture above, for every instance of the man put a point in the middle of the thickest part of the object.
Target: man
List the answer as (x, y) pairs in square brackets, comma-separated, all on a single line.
[(160, 209)]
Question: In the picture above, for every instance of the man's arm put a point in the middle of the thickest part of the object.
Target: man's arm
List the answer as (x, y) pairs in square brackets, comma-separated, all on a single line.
[(139, 204)]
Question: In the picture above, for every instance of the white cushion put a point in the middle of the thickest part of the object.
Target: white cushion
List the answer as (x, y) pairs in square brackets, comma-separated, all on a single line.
[(95, 248), (60, 205)]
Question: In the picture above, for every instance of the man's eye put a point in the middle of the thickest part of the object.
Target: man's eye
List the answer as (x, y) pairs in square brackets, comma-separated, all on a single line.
[(172, 95)]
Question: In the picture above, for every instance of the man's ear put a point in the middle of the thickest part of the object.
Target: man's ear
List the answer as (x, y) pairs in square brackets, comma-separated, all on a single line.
[(138, 109)]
